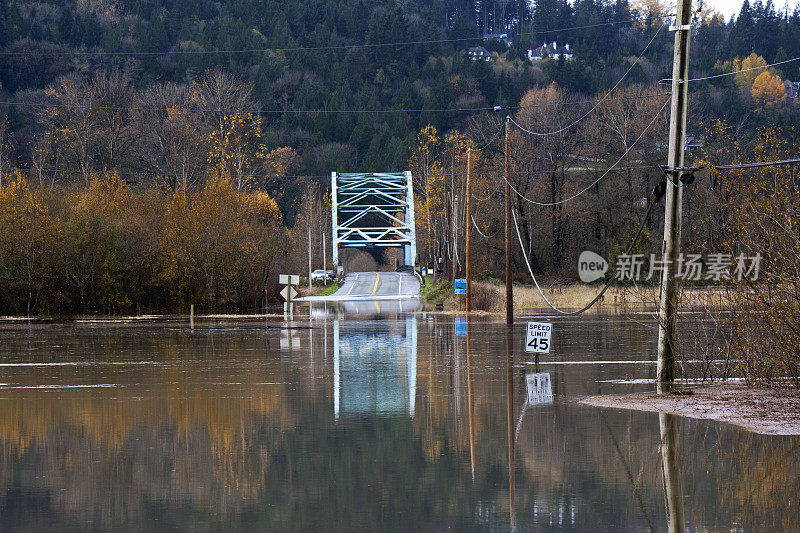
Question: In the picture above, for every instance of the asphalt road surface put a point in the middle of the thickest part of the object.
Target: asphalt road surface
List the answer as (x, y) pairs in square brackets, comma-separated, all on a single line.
[(374, 286)]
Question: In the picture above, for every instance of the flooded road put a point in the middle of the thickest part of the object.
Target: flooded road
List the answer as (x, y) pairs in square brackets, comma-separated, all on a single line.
[(364, 418)]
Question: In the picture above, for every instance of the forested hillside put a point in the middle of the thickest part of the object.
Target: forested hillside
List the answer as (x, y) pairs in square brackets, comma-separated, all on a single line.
[(296, 55), (127, 108)]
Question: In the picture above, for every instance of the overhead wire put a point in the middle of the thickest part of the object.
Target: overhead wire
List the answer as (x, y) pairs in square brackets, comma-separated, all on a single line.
[(327, 176), (602, 176), (608, 282), (482, 234), (305, 48), (724, 74), (597, 102), (301, 111), (758, 164)]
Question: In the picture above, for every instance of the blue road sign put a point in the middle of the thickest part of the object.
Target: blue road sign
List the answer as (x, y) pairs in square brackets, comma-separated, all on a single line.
[(460, 286), (461, 327)]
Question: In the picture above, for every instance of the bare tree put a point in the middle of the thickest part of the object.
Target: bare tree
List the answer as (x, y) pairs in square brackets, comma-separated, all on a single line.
[(545, 169), (171, 140)]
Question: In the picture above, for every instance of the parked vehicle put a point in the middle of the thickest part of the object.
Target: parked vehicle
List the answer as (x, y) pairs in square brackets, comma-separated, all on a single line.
[(319, 275)]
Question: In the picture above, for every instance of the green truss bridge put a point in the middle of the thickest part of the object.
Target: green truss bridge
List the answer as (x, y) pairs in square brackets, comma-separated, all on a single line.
[(373, 210)]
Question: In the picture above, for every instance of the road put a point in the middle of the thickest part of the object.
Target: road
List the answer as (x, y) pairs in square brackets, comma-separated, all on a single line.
[(374, 286)]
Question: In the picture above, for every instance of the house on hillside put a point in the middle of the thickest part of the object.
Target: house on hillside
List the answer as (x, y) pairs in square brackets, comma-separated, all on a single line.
[(792, 88), (550, 50), (691, 144), (479, 53)]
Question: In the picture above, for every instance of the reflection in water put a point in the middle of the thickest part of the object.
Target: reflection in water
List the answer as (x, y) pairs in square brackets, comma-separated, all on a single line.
[(471, 401), (540, 390), (509, 415), (671, 472), (377, 307), (374, 367), (234, 429)]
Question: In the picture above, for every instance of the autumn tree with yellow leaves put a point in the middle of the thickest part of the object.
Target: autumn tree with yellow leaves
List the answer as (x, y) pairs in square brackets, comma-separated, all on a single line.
[(768, 91), (761, 212), (172, 206), (27, 243), (439, 166)]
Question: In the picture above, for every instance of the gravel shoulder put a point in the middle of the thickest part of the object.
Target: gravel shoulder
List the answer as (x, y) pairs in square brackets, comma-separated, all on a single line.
[(764, 411)]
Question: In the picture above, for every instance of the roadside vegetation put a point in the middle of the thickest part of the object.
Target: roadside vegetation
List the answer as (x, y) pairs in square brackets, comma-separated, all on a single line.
[(140, 172)]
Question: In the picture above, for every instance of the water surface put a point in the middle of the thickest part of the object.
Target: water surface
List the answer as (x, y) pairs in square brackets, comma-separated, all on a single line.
[(362, 418)]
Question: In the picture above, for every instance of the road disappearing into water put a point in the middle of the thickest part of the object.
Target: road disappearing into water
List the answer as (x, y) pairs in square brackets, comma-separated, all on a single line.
[(373, 286)]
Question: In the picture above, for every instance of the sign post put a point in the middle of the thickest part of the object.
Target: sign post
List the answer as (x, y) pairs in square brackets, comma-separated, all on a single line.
[(538, 339), (460, 287), (288, 292)]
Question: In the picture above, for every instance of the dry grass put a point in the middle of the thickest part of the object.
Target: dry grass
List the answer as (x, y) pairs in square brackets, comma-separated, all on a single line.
[(487, 296)]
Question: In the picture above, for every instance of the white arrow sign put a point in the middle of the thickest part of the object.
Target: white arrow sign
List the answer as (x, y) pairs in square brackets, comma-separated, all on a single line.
[(289, 293)]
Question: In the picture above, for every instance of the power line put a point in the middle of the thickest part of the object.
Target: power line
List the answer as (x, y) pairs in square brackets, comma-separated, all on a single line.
[(595, 182), (241, 111), (758, 164), (744, 70), (307, 111), (303, 48), (483, 174), (598, 102), (605, 287), (479, 229)]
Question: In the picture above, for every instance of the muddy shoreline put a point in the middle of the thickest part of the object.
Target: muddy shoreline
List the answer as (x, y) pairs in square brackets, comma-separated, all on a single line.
[(763, 411)]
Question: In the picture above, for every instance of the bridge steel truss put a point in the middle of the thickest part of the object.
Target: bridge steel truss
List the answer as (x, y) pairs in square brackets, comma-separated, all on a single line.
[(373, 209)]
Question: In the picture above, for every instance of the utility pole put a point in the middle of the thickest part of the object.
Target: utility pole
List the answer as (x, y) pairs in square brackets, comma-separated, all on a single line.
[(309, 253), (468, 266), (324, 261), (667, 312), (509, 280)]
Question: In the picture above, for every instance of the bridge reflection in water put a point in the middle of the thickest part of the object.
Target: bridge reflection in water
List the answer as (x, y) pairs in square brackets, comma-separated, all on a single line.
[(374, 367), (426, 425)]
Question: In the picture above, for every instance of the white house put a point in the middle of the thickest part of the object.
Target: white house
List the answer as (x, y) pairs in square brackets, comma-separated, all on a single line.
[(792, 88), (479, 53), (550, 50)]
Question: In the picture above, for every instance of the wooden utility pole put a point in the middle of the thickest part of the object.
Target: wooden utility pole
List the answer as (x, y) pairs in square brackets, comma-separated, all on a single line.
[(509, 280), (667, 313), (468, 267)]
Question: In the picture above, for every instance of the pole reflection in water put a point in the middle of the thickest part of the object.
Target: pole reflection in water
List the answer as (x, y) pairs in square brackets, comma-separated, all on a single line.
[(671, 470), (144, 426), (509, 415), (470, 400), (374, 367)]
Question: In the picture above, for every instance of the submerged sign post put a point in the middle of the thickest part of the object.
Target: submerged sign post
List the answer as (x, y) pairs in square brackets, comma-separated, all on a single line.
[(538, 338), (288, 293)]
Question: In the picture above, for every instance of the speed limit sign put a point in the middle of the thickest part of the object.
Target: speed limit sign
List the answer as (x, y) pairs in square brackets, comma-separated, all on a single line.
[(538, 338)]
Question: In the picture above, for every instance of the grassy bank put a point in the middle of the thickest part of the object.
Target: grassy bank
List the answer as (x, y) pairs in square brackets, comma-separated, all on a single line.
[(318, 289), (490, 296)]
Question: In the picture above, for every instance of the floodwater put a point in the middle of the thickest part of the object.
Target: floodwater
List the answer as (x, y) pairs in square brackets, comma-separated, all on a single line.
[(363, 418)]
